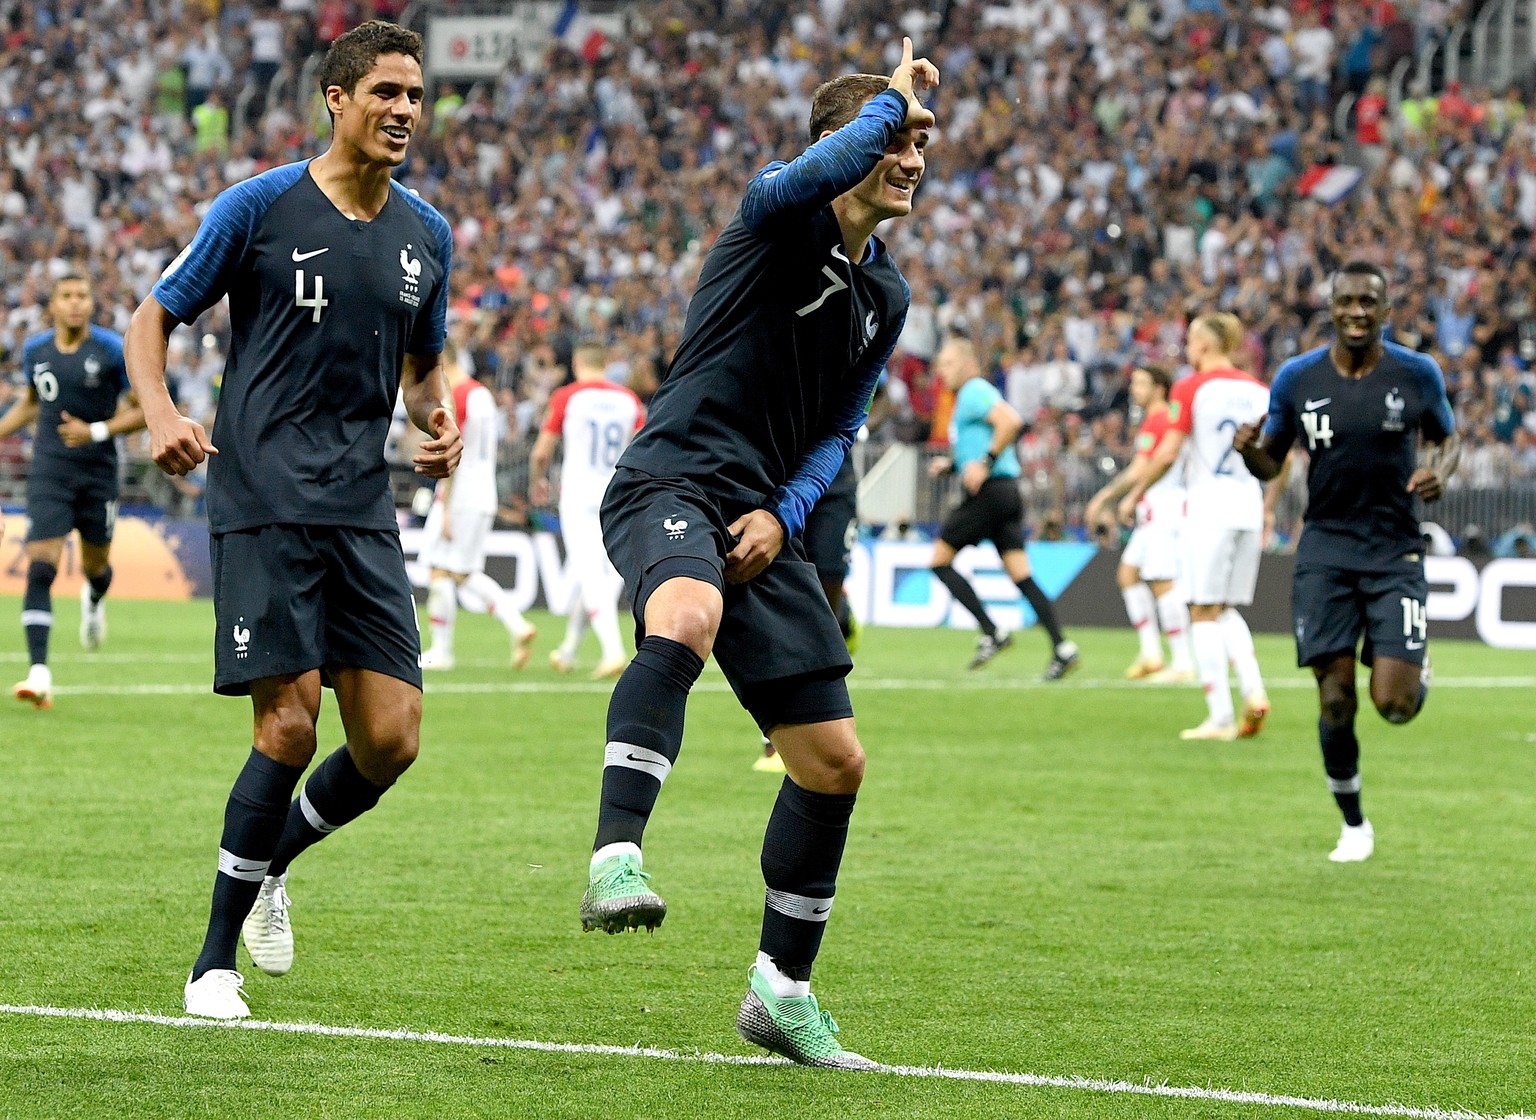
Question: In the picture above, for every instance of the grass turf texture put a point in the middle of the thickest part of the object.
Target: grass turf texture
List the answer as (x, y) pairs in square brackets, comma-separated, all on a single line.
[(1041, 879)]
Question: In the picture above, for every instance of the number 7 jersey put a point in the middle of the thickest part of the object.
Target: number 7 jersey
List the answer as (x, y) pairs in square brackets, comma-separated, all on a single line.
[(1208, 408), (595, 421)]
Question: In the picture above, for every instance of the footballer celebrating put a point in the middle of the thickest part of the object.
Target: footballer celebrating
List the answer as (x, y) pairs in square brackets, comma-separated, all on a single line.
[(796, 312), (337, 280)]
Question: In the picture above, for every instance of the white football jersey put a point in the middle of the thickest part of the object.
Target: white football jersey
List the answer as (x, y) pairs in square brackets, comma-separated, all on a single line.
[(595, 421), (473, 489), (1208, 408)]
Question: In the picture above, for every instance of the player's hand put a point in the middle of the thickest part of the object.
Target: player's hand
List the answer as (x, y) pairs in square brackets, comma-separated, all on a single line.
[(179, 444), (759, 537), (1126, 510), (974, 475), (910, 78), (1427, 484), (438, 457), (940, 466), (74, 431), (538, 493), (1246, 438)]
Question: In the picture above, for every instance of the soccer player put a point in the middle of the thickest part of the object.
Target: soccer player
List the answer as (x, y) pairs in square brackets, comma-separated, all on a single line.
[(1223, 524), (1149, 566), (796, 312), (982, 431), (76, 396), (337, 280), (454, 538), (1362, 405), (594, 419)]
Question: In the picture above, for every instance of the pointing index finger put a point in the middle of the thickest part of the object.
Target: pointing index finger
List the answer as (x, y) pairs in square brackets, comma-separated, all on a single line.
[(906, 50)]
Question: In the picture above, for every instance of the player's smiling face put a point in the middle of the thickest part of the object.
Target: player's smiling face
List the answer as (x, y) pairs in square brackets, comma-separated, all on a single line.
[(888, 189), (379, 117), (1359, 307)]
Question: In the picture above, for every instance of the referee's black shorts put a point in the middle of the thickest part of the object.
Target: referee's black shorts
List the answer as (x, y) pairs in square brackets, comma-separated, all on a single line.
[(994, 513)]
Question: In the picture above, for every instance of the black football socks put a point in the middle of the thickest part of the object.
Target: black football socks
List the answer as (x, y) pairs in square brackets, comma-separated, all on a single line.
[(336, 793), (802, 849), (645, 733), (1341, 762), (37, 609), (966, 596)]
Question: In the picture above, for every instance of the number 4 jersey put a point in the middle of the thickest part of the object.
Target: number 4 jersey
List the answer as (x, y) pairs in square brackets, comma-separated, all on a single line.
[(323, 310), (595, 421), (1362, 435), (1208, 408)]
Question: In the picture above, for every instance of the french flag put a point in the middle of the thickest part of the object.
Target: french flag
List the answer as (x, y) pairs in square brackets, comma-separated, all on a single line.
[(1328, 183), (579, 33)]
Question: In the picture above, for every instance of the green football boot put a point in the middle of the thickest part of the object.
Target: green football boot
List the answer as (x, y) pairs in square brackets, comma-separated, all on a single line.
[(618, 897), (795, 1027)]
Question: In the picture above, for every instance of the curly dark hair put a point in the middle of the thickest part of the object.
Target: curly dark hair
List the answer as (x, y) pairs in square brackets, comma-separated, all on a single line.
[(353, 54)]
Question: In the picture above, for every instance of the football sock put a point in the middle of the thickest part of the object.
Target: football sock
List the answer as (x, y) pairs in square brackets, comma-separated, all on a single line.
[(605, 624), (1341, 762), (1211, 660), (37, 609), (483, 595), (1044, 609), (965, 595), (334, 795), (1239, 638), (802, 849), (1138, 608), (99, 584), (645, 733), (442, 609), (253, 821), (1173, 613)]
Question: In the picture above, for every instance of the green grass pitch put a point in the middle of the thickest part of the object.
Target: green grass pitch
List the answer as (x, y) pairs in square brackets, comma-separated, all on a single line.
[(1040, 879)]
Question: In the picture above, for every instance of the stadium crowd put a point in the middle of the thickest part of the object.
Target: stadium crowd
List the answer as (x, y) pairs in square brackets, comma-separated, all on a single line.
[(1102, 169)]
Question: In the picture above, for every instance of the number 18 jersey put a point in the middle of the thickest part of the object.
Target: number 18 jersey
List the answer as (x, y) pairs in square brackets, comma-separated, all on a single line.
[(1208, 408), (595, 421)]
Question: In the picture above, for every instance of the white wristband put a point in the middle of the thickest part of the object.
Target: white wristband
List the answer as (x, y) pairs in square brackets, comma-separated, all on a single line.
[(99, 433)]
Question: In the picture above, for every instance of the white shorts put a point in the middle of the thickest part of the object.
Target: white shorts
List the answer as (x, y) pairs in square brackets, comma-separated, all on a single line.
[(464, 552), (1153, 550), (593, 576), (1220, 565)]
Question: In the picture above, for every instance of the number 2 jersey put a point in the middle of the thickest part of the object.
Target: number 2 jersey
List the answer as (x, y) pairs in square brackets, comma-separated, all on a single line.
[(595, 421), (323, 310), (86, 383), (1362, 436), (1208, 408), (785, 337)]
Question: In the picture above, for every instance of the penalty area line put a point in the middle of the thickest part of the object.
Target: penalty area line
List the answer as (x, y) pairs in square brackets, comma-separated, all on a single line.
[(1031, 1080)]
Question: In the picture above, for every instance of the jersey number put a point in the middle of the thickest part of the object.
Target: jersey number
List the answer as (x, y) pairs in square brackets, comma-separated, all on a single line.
[(317, 301), (1227, 425), (1319, 430), (607, 443), (837, 285), (47, 385), (1415, 621)]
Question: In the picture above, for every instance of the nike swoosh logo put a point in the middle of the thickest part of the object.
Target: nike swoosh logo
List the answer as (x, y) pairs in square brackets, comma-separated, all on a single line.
[(1310, 405), (245, 870), (632, 758), (298, 256)]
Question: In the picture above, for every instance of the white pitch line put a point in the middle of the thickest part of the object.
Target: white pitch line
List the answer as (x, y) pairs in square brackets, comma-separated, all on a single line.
[(856, 683), (1033, 1080)]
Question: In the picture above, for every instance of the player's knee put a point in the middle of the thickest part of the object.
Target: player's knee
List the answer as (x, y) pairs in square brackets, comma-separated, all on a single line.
[(390, 743), (287, 734), (692, 622), (1397, 709), (1338, 706), (842, 767)]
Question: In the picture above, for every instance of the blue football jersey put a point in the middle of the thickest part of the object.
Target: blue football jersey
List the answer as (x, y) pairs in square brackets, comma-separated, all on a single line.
[(87, 383)]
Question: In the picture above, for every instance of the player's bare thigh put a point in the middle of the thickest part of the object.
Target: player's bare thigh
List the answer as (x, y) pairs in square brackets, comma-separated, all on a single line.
[(685, 610), (50, 551), (93, 557), (821, 757), (1395, 689), (381, 715)]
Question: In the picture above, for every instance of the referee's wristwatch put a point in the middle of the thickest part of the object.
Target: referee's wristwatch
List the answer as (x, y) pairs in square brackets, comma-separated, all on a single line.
[(990, 458)]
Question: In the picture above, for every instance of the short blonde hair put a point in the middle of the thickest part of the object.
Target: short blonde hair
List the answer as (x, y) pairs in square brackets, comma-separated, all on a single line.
[(1225, 328)]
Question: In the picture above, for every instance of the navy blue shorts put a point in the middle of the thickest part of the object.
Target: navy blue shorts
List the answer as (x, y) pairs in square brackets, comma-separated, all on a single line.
[(291, 598), (830, 529), (1333, 607), (779, 644), (994, 513), (61, 498)]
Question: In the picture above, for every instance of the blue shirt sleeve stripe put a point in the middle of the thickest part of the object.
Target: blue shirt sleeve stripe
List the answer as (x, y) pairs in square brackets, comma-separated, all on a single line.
[(1280, 421), (792, 502), (828, 167), (1439, 419), (432, 340), (199, 277)]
